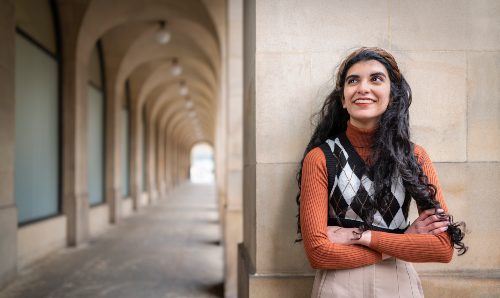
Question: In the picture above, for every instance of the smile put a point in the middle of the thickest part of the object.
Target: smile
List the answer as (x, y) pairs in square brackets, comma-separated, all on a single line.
[(364, 100)]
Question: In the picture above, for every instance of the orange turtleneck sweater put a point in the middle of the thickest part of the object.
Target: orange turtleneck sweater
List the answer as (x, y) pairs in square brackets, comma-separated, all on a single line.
[(324, 254)]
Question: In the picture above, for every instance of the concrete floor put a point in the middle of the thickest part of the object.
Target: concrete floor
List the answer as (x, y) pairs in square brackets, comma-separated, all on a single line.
[(171, 249)]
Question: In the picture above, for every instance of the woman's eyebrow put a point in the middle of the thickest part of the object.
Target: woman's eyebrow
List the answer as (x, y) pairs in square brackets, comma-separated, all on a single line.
[(353, 76), (378, 74)]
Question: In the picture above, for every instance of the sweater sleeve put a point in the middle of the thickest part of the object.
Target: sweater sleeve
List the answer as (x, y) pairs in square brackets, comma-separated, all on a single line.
[(322, 253), (417, 247)]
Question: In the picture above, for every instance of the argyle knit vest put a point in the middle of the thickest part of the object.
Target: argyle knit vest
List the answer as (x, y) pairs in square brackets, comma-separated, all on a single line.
[(350, 189)]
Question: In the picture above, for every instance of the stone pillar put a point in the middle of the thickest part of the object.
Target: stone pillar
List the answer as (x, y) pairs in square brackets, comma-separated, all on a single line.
[(168, 162), (112, 155), (74, 81), (233, 218), (291, 52), (277, 105), (161, 162), (150, 156), (175, 158), (184, 163), (136, 165), (8, 210), (159, 158)]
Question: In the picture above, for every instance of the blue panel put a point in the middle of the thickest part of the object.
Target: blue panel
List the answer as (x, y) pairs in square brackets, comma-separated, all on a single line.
[(37, 136), (125, 164), (95, 145)]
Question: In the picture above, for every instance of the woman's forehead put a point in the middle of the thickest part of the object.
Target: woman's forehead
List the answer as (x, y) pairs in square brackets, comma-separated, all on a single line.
[(366, 67)]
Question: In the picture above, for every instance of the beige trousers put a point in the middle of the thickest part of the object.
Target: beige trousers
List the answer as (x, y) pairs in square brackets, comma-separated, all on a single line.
[(387, 279)]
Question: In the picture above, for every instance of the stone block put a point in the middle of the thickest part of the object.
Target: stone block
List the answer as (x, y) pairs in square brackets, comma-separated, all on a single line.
[(7, 135), (483, 112), (469, 190), (458, 286), (143, 199), (324, 66), (127, 207), (8, 245), (445, 25), (249, 125), (37, 240), (249, 205), (291, 286), (235, 144), (438, 113), (243, 271), (283, 103), (319, 25), (234, 190), (233, 233), (276, 222), (98, 220)]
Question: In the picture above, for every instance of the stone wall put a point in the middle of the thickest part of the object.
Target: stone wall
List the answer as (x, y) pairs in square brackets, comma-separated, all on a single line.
[(450, 53)]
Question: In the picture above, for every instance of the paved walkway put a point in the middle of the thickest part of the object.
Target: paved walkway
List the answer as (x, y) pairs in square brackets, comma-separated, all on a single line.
[(167, 250)]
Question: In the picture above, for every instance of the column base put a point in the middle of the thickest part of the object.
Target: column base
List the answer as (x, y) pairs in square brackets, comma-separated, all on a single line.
[(255, 285), (8, 244)]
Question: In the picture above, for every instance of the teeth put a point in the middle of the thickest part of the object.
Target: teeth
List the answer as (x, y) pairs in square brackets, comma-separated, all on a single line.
[(363, 101)]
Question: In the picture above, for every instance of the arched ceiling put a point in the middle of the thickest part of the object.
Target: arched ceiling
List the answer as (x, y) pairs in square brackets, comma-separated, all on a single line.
[(127, 31)]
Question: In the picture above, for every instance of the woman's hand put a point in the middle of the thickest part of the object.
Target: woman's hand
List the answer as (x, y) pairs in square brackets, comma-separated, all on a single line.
[(429, 223), (348, 236)]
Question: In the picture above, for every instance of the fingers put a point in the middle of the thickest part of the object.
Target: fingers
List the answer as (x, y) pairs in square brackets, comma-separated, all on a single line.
[(426, 213), (438, 227), (430, 221), (429, 212), (430, 216)]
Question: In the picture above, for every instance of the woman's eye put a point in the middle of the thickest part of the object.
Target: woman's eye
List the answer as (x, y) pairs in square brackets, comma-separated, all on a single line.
[(377, 79), (351, 81)]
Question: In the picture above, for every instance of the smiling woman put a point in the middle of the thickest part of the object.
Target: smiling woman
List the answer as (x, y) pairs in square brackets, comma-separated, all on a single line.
[(366, 93), (357, 178)]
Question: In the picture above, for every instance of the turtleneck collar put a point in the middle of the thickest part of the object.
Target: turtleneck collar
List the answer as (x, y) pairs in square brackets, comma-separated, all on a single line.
[(360, 138)]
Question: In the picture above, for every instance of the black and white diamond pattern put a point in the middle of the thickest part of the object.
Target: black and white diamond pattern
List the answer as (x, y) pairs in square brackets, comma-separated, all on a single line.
[(353, 190)]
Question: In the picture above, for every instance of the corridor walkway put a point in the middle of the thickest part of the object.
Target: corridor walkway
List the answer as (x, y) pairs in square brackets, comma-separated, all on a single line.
[(167, 250)]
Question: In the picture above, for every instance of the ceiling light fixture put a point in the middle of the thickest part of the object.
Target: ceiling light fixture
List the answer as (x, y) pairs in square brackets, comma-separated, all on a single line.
[(176, 68), (163, 35), (189, 103), (183, 89)]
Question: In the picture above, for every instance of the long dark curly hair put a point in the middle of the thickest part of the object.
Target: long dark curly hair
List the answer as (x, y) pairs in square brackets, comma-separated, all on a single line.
[(392, 149)]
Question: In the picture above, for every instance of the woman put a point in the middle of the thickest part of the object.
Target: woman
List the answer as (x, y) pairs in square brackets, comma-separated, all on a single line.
[(356, 180)]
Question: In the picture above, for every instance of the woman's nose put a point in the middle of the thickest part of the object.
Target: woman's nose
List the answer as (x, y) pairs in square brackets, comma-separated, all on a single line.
[(363, 87)]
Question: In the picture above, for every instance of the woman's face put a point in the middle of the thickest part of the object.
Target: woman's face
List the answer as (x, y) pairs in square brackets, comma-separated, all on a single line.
[(366, 93)]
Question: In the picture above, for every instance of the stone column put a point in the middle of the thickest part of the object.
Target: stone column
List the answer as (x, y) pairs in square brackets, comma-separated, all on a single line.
[(159, 158), (233, 218), (150, 156), (277, 106), (112, 156), (135, 153), (8, 210), (168, 162), (74, 74)]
